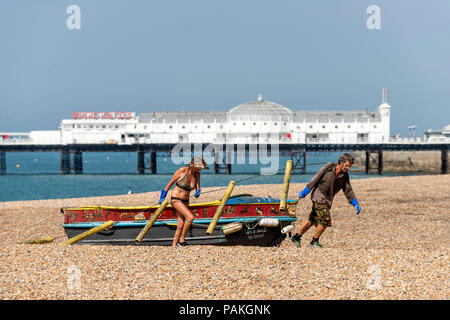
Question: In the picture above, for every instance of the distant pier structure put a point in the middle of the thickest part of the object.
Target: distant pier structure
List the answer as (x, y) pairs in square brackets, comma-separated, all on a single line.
[(72, 155), (244, 128)]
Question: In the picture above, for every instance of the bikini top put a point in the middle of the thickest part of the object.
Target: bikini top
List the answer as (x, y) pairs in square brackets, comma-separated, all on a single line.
[(184, 184)]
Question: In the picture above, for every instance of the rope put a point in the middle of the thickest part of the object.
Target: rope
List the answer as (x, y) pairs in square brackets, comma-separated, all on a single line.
[(239, 181), (255, 176)]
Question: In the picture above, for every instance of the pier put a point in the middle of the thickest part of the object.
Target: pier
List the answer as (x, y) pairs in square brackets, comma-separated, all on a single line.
[(71, 159)]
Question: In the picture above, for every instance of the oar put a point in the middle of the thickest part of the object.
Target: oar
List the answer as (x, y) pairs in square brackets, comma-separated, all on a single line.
[(219, 209), (285, 190), (37, 241), (151, 221), (88, 233)]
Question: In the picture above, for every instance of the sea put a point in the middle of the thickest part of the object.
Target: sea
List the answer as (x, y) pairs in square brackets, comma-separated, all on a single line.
[(36, 175)]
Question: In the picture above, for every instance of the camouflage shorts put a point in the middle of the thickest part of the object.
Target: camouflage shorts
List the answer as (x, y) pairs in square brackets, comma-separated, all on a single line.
[(320, 214)]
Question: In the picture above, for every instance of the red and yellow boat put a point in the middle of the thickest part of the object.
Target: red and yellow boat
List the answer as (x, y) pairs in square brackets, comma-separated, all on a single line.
[(245, 220)]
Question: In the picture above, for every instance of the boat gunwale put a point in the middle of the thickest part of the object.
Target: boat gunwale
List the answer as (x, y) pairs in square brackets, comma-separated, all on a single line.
[(210, 204)]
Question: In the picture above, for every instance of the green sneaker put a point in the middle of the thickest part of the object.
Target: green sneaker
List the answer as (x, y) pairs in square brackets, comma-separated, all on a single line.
[(316, 245), (297, 241)]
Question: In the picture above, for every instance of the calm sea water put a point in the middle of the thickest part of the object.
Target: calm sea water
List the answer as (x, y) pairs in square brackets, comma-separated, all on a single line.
[(34, 176)]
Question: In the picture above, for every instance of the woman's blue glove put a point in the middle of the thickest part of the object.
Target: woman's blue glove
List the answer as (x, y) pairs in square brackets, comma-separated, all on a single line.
[(197, 193), (304, 193), (356, 205), (162, 196)]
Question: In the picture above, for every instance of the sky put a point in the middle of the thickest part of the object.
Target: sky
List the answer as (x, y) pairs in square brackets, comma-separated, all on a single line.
[(149, 55)]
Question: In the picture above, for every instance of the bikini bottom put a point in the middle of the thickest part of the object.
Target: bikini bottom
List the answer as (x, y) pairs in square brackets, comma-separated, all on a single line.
[(185, 201)]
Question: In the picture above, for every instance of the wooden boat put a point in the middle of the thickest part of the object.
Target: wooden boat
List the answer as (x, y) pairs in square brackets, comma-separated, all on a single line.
[(257, 222)]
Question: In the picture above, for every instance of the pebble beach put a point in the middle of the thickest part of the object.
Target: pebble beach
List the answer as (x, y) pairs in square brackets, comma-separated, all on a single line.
[(396, 248)]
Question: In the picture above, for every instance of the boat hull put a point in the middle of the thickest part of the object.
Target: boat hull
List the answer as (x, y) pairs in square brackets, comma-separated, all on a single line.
[(162, 233)]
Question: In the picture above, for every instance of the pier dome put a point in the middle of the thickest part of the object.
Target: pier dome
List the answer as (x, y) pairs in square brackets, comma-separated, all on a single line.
[(260, 110)]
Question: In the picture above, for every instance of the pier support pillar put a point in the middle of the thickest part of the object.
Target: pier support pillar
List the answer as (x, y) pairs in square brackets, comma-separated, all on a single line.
[(153, 162), (367, 162), (298, 158), (141, 162), (228, 162), (220, 165), (304, 162), (216, 163), (2, 163), (444, 161), (65, 162), (77, 162), (380, 161)]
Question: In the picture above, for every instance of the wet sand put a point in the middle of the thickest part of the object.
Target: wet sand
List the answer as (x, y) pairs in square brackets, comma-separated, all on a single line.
[(396, 248)]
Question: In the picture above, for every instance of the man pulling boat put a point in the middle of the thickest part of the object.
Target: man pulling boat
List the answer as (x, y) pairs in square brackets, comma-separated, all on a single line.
[(331, 178)]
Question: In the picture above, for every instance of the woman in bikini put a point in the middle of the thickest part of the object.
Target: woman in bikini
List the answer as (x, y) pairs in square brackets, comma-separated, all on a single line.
[(186, 179)]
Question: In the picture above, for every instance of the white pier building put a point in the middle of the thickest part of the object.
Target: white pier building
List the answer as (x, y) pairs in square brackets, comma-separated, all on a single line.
[(258, 121), (438, 136)]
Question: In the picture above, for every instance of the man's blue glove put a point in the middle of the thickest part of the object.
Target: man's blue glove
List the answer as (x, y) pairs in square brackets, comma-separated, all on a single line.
[(162, 196), (197, 193), (304, 193), (356, 205)]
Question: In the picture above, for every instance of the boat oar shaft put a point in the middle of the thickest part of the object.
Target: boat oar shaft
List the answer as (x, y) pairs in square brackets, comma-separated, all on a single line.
[(286, 182), (38, 241), (89, 233), (151, 221), (219, 209)]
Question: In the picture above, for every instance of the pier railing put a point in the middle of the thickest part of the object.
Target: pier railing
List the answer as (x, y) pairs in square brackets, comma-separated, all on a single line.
[(43, 142)]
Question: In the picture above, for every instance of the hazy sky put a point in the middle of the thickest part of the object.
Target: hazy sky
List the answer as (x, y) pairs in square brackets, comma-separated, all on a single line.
[(212, 55)]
